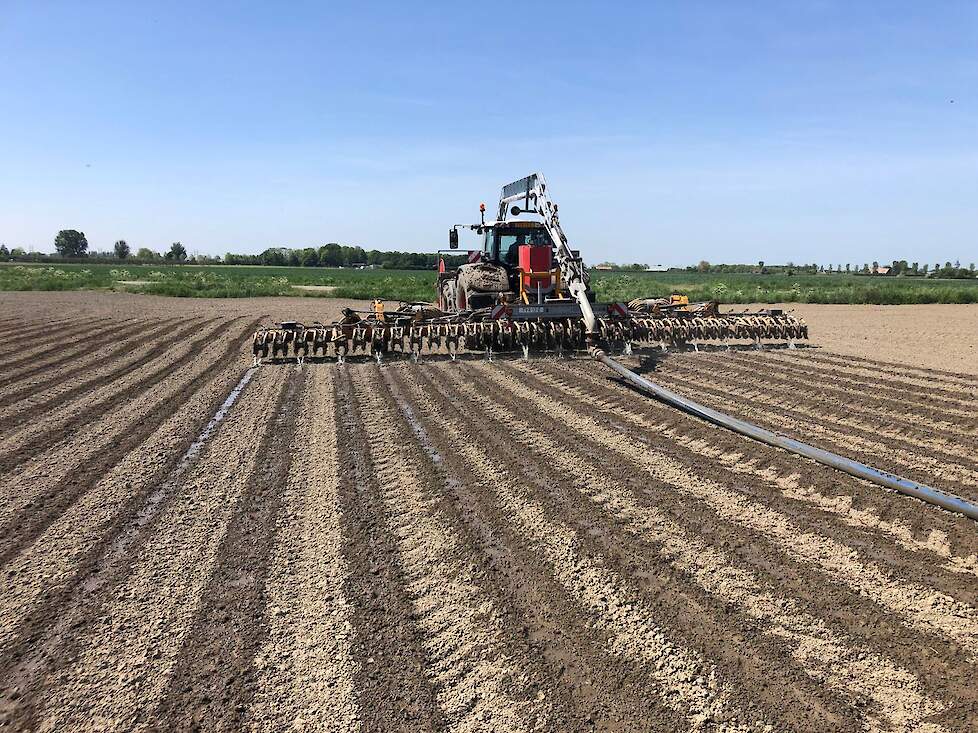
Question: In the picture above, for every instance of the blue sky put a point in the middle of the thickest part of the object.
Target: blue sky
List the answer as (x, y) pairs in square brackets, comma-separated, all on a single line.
[(669, 132)]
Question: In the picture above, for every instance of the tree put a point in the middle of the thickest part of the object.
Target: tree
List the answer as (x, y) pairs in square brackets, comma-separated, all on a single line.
[(330, 255), (4, 252), (17, 253), (121, 249), (71, 243), (703, 266), (310, 258), (177, 252), (848, 268), (144, 253)]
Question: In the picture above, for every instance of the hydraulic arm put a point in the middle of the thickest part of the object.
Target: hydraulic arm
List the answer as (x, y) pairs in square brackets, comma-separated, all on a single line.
[(532, 190)]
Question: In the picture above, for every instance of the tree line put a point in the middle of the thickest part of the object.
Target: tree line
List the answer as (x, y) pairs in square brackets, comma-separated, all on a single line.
[(70, 244), (339, 255), (896, 268)]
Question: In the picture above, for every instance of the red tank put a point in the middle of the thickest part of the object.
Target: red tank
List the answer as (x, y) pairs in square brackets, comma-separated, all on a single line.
[(536, 263)]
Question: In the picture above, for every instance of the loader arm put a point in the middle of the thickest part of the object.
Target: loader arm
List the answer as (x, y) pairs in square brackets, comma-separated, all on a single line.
[(532, 191)]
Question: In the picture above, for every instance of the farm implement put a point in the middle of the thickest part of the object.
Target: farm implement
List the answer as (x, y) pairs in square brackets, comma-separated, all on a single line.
[(524, 290), (527, 290)]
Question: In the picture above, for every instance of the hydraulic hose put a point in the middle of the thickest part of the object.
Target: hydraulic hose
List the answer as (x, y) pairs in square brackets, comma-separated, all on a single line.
[(854, 468)]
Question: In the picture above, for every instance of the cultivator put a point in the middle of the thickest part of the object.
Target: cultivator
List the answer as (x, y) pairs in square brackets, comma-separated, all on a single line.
[(511, 296), (415, 329)]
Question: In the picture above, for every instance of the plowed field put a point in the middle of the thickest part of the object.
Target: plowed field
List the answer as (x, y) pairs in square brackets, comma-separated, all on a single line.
[(467, 545)]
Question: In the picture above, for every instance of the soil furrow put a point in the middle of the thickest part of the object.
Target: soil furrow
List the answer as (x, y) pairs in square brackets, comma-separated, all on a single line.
[(56, 350), (66, 355), (683, 679), (22, 413), (393, 692), (31, 480), (25, 525), (920, 466), (565, 655), (858, 673), (13, 338), (475, 677), (126, 637), (922, 608), (957, 394), (812, 408), (306, 668), (941, 666), (90, 400), (91, 364), (924, 398), (888, 367), (85, 540), (808, 387), (214, 679), (23, 451), (858, 504)]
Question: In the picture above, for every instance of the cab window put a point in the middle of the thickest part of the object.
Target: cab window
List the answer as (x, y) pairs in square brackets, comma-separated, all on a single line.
[(509, 243)]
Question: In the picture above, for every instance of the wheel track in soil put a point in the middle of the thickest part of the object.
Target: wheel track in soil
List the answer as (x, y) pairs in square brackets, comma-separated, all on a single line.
[(862, 506), (127, 631), (151, 346), (568, 661), (32, 478), (42, 343), (851, 416), (82, 551), (90, 363), (925, 420), (51, 436), (25, 525), (475, 676), (924, 467), (213, 681), (888, 367), (924, 609), (925, 397), (957, 393), (616, 667), (393, 692), (859, 674)]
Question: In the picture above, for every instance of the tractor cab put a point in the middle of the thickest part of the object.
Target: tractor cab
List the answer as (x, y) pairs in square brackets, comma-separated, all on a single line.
[(515, 264), (524, 249)]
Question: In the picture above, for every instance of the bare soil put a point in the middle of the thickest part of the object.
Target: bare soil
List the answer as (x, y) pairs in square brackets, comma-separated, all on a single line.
[(477, 546)]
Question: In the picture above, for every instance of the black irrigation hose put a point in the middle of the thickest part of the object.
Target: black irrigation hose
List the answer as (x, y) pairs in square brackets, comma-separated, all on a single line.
[(859, 470)]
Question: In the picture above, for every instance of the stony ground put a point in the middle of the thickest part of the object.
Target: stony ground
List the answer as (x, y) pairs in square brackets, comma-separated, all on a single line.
[(470, 546)]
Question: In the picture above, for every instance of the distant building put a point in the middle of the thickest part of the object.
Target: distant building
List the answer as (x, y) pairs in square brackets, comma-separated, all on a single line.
[(603, 267), (657, 268), (881, 271)]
